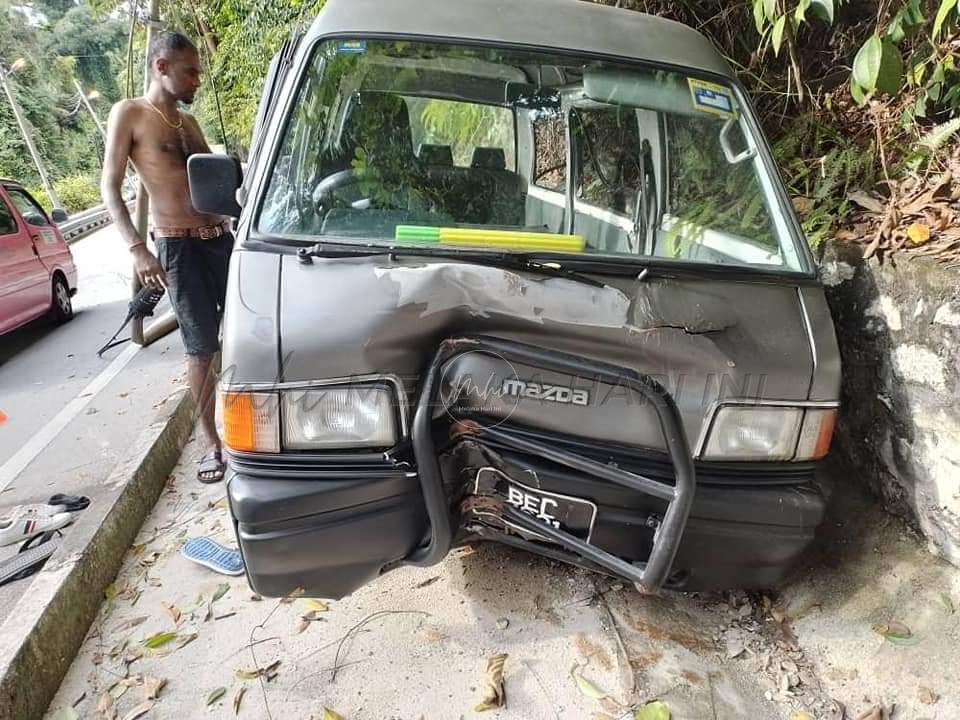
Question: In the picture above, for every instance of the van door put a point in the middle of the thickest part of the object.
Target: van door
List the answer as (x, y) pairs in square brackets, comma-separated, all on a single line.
[(39, 252), (24, 291)]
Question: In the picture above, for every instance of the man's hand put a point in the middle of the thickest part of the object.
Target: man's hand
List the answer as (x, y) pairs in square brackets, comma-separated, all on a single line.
[(148, 268)]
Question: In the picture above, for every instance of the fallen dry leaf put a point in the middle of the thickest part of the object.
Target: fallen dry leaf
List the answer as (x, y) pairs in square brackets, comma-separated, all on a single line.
[(316, 605), (802, 204), (216, 695), (139, 711), (238, 698), (893, 629), (222, 590), (292, 596), (927, 696), (947, 603), (801, 715), (131, 623), (152, 687), (867, 202), (586, 687), (173, 612), (494, 695), (105, 707), (918, 233), (329, 714)]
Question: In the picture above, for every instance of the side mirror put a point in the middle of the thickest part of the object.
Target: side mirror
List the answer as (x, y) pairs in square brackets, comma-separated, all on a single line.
[(58, 215), (214, 181)]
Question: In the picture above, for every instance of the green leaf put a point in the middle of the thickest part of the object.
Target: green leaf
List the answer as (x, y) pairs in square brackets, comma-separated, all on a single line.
[(800, 14), (222, 590), (770, 9), (945, 7), (890, 74), (216, 695), (823, 9), (857, 93), (159, 639), (777, 37), (947, 603), (653, 711), (329, 714), (866, 65), (758, 17)]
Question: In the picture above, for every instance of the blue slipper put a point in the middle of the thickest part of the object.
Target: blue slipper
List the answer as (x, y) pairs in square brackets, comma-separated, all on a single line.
[(210, 554)]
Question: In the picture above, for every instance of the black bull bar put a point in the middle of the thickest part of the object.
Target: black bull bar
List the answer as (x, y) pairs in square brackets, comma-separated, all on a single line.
[(679, 496)]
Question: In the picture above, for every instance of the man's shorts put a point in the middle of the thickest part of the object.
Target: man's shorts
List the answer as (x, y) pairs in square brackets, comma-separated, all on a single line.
[(196, 273)]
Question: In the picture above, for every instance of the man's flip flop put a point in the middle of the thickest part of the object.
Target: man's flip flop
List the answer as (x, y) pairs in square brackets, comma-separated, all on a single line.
[(211, 468), (29, 560), (69, 503), (213, 555)]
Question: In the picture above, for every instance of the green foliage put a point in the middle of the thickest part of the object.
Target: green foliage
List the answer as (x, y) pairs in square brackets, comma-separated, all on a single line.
[(878, 67), (76, 192), (76, 45)]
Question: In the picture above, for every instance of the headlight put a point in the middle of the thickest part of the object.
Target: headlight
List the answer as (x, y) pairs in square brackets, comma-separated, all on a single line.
[(343, 417), (251, 421), (761, 432), (338, 417)]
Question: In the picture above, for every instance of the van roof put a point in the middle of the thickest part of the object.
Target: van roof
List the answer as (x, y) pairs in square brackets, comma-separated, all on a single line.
[(572, 26)]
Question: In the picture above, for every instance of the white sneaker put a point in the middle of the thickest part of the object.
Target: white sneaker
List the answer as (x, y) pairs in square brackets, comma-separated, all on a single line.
[(26, 521)]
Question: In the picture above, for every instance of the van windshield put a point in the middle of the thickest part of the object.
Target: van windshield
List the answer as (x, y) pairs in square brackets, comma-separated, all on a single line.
[(428, 143)]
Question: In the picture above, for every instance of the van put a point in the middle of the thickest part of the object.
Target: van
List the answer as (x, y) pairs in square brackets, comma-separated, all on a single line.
[(522, 273), (37, 274)]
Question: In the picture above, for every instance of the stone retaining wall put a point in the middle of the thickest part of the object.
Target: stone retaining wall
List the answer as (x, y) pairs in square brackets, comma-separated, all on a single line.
[(898, 325)]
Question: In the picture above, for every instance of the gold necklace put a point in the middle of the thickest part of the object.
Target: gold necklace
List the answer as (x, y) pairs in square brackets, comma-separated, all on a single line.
[(160, 113)]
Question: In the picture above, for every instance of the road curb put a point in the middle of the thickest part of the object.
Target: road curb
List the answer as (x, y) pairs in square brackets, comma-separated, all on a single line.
[(41, 636)]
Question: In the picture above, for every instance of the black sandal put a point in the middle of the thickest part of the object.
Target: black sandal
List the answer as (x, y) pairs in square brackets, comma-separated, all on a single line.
[(211, 468)]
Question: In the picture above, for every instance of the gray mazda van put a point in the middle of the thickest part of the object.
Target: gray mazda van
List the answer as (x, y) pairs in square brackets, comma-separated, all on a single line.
[(522, 272)]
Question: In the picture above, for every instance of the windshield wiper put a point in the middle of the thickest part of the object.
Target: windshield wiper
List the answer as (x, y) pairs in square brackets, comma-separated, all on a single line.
[(513, 261)]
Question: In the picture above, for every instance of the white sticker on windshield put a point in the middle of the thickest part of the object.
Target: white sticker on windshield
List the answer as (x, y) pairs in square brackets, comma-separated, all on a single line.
[(710, 97)]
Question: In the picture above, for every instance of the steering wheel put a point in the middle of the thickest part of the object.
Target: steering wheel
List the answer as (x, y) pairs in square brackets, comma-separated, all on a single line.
[(324, 195)]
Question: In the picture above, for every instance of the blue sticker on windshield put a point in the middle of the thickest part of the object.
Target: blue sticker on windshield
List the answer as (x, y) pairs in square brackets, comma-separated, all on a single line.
[(710, 97), (351, 47)]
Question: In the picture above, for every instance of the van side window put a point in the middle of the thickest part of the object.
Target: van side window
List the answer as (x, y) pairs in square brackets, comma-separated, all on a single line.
[(32, 213), (550, 148), (706, 191), (609, 170), (8, 225)]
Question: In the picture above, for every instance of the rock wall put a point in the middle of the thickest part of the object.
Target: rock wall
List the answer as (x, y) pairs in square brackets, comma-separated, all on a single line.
[(898, 325)]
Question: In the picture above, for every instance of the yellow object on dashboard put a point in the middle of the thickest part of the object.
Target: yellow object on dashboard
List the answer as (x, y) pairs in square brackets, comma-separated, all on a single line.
[(511, 239)]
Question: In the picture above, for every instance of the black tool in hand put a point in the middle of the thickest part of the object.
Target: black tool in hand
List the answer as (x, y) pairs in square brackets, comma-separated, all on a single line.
[(141, 306)]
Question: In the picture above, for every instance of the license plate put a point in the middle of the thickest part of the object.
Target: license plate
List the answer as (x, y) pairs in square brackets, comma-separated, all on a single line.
[(570, 514)]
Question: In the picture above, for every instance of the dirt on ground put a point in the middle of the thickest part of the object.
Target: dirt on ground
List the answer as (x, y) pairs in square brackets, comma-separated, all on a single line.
[(867, 629)]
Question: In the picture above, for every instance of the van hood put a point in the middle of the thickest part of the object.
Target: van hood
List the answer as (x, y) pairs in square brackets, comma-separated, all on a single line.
[(703, 339)]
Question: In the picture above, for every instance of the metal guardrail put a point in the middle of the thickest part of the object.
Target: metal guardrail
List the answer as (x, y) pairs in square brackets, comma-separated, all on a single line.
[(81, 225)]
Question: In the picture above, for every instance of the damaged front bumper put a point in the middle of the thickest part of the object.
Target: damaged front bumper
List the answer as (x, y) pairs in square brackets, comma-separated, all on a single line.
[(329, 524)]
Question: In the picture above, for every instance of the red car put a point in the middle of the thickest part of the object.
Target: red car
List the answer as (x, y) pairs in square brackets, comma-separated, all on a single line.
[(37, 274)]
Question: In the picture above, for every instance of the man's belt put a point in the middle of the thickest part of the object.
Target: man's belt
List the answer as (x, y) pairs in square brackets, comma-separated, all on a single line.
[(207, 232)]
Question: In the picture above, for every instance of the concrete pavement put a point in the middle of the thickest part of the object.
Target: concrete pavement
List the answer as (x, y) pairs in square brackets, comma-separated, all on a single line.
[(71, 415)]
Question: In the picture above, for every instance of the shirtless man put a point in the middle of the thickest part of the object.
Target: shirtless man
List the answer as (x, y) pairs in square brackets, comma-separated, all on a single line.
[(193, 248)]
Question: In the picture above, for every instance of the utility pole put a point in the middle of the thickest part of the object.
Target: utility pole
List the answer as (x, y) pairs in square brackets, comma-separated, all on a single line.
[(86, 102), (131, 179), (25, 133)]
